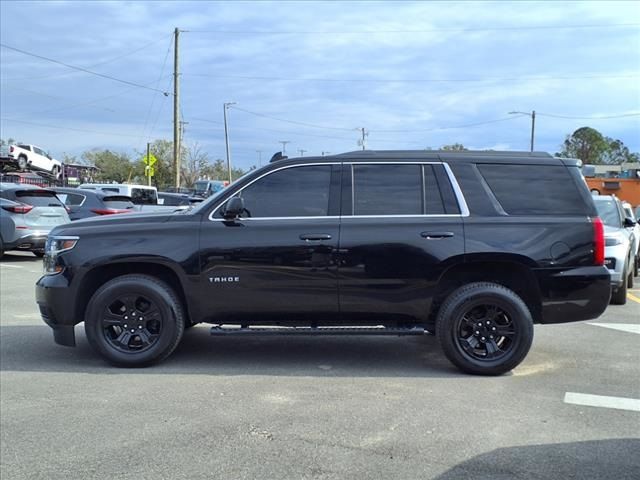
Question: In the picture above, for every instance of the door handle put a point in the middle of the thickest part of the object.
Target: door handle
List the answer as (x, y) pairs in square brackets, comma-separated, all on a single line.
[(315, 236), (436, 235)]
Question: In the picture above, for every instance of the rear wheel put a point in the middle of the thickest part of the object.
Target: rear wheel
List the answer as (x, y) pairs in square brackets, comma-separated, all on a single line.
[(484, 329), (134, 321), (619, 297)]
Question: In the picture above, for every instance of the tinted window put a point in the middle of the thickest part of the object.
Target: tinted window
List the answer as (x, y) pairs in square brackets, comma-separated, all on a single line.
[(534, 189), (42, 198), (433, 199), (387, 189), (173, 200), (143, 196), (292, 192), (608, 212)]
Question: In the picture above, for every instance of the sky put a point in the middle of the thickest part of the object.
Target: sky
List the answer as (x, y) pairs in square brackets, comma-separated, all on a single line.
[(414, 75)]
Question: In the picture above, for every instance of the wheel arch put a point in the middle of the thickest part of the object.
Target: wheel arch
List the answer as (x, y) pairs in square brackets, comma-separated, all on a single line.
[(511, 271), (101, 274)]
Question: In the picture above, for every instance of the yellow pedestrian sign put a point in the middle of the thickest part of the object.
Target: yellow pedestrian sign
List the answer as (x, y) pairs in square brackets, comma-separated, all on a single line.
[(149, 160)]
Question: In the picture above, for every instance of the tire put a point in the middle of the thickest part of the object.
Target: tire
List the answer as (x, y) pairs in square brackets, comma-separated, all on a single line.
[(476, 311), (119, 305), (55, 171), (619, 297), (38, 253), (630, 277), (22, 162), (1, 248), (636, 267)]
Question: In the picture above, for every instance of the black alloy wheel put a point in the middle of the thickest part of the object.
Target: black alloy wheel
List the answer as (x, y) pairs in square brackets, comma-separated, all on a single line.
[(484, 328), (134, 321)]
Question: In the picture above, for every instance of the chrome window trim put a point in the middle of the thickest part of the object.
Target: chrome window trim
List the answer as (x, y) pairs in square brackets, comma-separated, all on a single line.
[(462, 204), (269, 173)]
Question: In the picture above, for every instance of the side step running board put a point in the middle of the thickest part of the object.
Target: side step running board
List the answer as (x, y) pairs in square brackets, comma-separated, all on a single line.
[(253, 331)]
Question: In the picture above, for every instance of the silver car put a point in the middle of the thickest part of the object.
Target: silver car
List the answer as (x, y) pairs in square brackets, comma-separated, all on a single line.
[(628, 211), (619, 246), (27, 214)]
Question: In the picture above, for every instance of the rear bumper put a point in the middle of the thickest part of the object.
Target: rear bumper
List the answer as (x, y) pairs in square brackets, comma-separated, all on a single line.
[(574, 295), (31, 241)]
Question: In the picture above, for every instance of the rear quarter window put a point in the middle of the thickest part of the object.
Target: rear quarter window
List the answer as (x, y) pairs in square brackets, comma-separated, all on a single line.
[(534, 189)]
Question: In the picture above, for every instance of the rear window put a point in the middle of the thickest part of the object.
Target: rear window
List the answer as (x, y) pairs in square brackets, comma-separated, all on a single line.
[(39, 198), (534, 189), (118, 203), (143, 196)]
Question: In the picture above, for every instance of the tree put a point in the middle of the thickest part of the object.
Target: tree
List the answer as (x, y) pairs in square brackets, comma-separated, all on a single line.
[(114, 167), (587, 144), (590, 146), (455, 147), (194, 164), (8, 141), (619, 153)]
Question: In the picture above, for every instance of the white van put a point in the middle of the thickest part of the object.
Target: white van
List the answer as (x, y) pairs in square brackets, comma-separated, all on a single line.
[(140, 194)]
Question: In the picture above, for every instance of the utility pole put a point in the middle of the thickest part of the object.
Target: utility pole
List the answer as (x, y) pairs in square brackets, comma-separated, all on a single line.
[(259, 152), (533, 124), (363, 142), (533, 127), (284, 145), (302, 152), (176, 108), (148, 164), (225, 107)]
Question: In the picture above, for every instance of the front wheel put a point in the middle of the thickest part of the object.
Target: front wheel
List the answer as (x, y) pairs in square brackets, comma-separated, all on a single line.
[(134, 321), (484, 328), (22, 162), (55, 171)]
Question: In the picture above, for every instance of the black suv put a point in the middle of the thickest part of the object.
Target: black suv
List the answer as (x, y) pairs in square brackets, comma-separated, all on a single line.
[(475, 247)]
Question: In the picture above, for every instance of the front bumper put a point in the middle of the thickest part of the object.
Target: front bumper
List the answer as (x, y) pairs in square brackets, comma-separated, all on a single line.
[(573, 295), (55, 301)]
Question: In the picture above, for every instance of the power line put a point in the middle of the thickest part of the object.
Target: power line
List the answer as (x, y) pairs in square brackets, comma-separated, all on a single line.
[(166, 94), (604, 117), (428, 30), (418, 80), (147, 45)]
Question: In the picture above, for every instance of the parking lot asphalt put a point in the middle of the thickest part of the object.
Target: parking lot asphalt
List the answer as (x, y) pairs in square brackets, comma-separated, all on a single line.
[(315, 408)]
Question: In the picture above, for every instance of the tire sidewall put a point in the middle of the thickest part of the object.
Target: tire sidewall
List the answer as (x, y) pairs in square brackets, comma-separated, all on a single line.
[(127, 286), (485, 294)]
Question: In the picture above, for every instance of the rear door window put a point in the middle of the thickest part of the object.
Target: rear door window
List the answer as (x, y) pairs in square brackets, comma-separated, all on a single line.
[(144, 196), (39, 198), (71, 199), (387, 190)]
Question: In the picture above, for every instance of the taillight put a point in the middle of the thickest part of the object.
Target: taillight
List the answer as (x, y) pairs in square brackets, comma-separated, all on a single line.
[(598, 241), (108, 211), (18, 208)]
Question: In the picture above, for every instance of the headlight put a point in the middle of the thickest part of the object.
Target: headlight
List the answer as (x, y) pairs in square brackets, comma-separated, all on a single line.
[(53, 248)]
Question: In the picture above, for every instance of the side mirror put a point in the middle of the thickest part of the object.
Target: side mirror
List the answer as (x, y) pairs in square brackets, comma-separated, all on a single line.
[(629, 222), (235, 206)]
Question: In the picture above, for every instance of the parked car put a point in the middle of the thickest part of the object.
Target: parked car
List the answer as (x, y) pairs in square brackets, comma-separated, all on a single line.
[(177, 199), (139, 194), (368, 242), (91, 203), (28, 215), (206, 188), (629, 213), (619, 246), (34, 158)]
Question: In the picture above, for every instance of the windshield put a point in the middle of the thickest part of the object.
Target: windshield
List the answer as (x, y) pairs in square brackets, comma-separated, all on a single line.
[(608, 212)]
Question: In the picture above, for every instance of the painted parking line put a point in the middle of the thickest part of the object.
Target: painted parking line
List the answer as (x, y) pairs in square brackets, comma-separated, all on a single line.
[(633, 297), (9, 266), (618, 403), (623, 327)]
